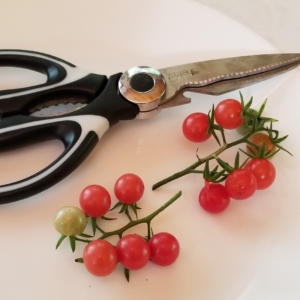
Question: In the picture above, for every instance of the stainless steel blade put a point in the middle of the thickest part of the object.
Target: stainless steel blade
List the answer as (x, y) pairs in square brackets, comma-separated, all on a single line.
[(220, 76)]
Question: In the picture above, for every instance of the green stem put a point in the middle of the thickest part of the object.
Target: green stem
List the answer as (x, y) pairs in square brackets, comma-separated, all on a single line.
[(147, 220), (200, 161), (191, 168)]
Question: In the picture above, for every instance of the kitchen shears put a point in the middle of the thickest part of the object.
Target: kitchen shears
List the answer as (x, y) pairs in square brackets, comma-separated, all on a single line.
[(140, 92)]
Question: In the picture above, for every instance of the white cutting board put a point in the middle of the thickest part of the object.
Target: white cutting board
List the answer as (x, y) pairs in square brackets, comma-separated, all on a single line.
[(248, 252)]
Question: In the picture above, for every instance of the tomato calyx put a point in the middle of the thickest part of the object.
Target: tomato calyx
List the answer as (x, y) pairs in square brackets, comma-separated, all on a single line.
[(126, 208), (256, 123), (86, 238)]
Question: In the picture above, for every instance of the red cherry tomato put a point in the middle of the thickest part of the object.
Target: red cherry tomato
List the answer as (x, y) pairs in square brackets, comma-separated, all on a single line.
[(100, 258), (213, 198), (164, 249), (228, 114), (129, 188), (95, 201), (133, 251), (195, 126), (240, 184), (263, 170)]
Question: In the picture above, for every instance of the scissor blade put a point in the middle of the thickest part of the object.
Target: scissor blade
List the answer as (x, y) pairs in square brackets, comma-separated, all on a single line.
[(220, 76)]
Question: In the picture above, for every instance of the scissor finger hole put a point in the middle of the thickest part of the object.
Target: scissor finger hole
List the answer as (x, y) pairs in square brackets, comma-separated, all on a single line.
[(16, 78), (23, 161)]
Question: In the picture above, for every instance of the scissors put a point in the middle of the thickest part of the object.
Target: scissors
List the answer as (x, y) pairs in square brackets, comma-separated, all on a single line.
[(139, 92)]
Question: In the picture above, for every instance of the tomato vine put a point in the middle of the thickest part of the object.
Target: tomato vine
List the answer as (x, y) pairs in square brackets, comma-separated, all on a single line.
[(254, 122)]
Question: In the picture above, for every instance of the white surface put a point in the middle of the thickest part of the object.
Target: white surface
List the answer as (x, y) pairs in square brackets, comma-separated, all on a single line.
[(248, 252), (275, 20)]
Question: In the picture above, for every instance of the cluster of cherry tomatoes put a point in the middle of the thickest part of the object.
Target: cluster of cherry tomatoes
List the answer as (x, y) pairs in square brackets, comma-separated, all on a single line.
[(132, 251), (241, 183)]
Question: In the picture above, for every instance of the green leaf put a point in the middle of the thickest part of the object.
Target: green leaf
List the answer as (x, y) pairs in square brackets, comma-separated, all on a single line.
[(248, 154), (108, 219), (216, 137), (248, 104), (116, 205), (262, 150), (133, 207), (253, 153), (224, 164), (60, 240), (211, 117), (242, 100), (206, 174), (243, 164), (123, 208), (216, 177), (127, 274), (86, 235), (270, 154), (128, 214), (268, 120), (279, 140), (283, 149), (237, 160), (261, 109), (94, 225), (72, 242), (215, 169)]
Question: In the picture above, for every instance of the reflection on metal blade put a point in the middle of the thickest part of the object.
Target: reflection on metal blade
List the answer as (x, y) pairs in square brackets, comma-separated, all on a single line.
[(223, 75)]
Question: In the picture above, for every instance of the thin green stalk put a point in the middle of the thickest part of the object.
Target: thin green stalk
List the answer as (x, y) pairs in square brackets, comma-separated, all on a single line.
[(191, 168), (200, 161), (147, 220)]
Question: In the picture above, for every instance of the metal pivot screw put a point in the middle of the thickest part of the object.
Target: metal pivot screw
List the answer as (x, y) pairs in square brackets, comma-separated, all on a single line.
[(145, 87)]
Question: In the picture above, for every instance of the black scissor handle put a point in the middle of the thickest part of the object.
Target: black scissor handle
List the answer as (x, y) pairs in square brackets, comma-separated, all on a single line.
[(79, 131), (79, 135), (64, 80)]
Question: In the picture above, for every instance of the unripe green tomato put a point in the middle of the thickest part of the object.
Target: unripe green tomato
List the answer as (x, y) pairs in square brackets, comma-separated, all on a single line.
[(247, 124), (70, 221)]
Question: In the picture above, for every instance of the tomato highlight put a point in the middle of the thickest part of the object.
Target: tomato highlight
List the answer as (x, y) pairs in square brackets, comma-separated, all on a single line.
[(164, 249), (129, 188), (214, 198), (133, 251), (195, 127), (263, 170), (240, 184), (100, 258), (95, 201), (228, 114)]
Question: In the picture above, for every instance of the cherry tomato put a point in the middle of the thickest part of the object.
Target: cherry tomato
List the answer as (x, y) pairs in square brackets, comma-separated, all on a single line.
[(164, 249), (133, 251), (70, 221), (95, 201), (263, 170), (259, 139), (228, 114), (213, 197), (100, 258), (240, 184), (129, 188), (195, 126)]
